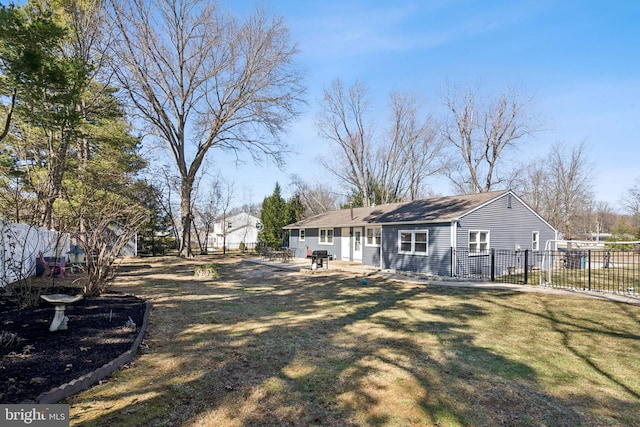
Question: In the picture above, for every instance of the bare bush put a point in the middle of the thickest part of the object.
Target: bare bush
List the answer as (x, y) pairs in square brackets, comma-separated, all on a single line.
[(103, 242)]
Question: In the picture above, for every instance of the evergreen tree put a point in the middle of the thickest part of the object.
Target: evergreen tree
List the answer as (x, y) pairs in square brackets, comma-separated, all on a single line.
[(356, 199), (47, 83), (295, 209), (274, 216), (155, 235), (29, 40), (68, 150)]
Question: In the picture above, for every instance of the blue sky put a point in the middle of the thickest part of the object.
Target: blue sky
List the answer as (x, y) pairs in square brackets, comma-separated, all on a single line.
[(580, 60)]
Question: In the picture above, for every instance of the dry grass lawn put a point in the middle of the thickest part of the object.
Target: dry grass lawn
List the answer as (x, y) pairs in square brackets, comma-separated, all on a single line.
[(258, 346)]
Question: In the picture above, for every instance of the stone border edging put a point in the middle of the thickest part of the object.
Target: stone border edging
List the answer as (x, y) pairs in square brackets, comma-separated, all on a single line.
[(75, 386)]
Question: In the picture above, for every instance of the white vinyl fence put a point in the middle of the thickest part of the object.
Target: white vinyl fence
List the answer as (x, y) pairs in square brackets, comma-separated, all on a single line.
[(20, 245)]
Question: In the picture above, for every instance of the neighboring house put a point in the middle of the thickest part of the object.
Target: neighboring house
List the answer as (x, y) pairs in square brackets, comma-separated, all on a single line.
[(130, 248), (424, 236), (233, 230)]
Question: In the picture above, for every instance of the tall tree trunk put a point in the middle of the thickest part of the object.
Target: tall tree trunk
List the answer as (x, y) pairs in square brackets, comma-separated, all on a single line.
[(185, 211)]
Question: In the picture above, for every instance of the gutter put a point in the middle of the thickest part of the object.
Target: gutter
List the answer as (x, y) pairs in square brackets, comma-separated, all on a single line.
[(372, 224)]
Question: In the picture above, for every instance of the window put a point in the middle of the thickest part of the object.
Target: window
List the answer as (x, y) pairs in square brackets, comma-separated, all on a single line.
[(413, 242), (420, 242), (478, 242), (302, 233), (326, 236), (535, 241), (229, 225), (405, 241), (373, 236)]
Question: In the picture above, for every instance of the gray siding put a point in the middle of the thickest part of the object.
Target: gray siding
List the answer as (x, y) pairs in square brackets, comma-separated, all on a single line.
[(509, 227), (312, 240), (437, 262), (371, 255)]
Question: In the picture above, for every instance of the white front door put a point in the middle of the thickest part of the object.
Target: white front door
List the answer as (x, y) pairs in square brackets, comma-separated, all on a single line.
[(345, 240), (357, 244)]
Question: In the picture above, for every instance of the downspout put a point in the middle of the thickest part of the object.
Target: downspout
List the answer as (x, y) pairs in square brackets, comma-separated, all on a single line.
[(454, 244), (381, 240)]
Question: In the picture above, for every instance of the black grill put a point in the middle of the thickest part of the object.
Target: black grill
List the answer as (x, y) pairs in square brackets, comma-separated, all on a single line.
[(319, 258)]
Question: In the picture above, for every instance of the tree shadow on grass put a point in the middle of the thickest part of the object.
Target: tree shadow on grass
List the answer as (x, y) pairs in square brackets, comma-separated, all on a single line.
[(598, 339), (297, 349), (460, 383)]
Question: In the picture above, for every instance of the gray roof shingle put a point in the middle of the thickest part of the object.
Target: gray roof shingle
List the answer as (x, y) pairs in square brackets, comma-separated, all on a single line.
[(437, 209)]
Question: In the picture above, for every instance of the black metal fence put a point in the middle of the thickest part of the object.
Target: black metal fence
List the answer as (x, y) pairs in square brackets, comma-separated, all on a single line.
[(594, 270)]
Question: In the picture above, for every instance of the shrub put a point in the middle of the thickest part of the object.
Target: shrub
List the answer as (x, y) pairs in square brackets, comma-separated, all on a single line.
[(207, 270)]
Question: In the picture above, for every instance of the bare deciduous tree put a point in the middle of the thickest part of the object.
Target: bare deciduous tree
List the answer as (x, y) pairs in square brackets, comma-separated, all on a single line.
[(571, 177), (597, 219), (382, 171), (206, 210), (342, 120), (532, 183), (316, 198), (480, 133), (201, 79), (411, 152), (631, 203), (559, 187)]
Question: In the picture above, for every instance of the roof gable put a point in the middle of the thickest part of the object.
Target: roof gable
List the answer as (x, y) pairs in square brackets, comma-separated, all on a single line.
[(244, 217)]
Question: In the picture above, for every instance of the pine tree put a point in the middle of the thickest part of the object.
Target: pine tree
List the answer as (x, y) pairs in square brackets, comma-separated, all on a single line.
[(274, 217), (295, 209)]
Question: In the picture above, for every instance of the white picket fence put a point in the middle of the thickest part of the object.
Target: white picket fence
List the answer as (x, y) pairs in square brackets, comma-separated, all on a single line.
[(20, 245)]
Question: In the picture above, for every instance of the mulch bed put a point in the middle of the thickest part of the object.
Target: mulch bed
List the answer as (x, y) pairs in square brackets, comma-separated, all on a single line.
[(34, 360)]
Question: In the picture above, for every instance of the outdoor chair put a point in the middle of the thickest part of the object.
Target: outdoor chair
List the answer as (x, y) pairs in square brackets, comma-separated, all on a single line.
[(52, 266)]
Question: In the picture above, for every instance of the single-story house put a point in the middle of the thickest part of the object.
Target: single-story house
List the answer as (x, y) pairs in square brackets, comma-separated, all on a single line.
[(232, 230), (425, 236)]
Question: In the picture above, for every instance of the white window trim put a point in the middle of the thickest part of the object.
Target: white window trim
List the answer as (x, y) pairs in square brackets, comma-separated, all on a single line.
[(413, 242), (479, 253), (376, 238), (326, 242), (302, 234), (535, 242)]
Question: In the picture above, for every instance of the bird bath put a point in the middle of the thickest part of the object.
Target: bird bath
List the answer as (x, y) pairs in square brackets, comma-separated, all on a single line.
[(60, 302)]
